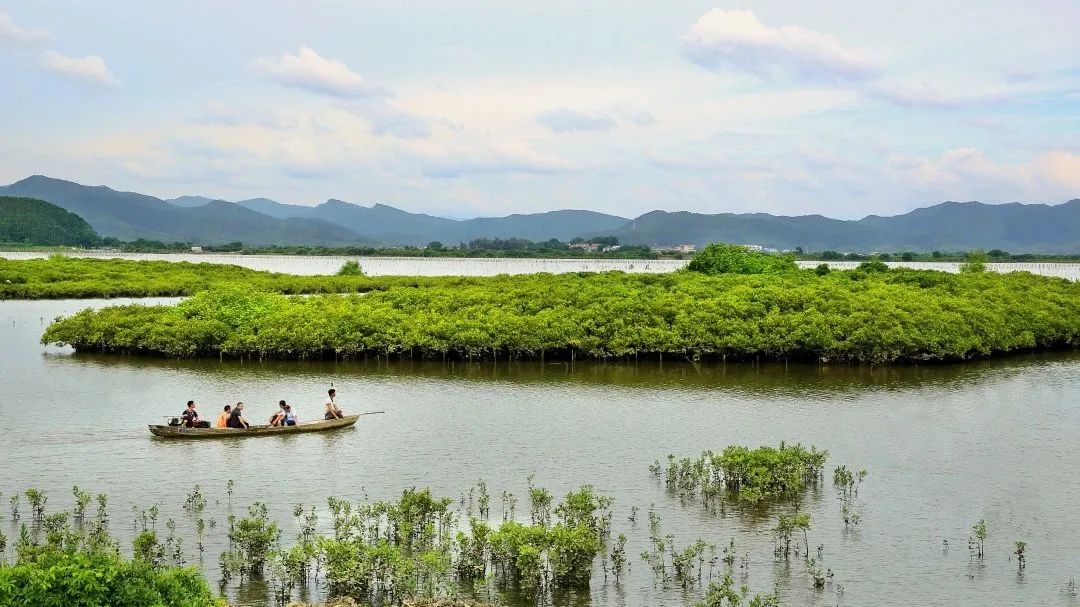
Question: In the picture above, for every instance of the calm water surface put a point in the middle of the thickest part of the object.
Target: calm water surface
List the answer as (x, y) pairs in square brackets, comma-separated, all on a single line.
[(945, 446), (456, 266)]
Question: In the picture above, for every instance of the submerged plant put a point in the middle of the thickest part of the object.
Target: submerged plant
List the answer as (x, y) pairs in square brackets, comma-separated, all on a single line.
[(195, 502), (254, 536), (618, 557), (148, 549), (102, 509), (724, 594), (82, 501), (539, 504), (818, 575), (290, 568), (787, 525), (1021, 554), (484, 500), (977, 541), (509, 506), (37, 500), (751, 475)]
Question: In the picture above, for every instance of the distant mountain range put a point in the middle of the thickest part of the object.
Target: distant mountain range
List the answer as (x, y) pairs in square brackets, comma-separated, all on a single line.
[(1034, 228), (129, 216), (389, 225), (949, 226)]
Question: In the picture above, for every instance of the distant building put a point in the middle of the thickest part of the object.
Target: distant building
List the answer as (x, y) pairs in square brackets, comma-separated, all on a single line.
[(753, 247), (674, 248), (196, 249), (588, 247)]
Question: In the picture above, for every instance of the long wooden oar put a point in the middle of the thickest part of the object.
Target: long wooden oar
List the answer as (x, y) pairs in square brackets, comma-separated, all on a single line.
[(370, 413)]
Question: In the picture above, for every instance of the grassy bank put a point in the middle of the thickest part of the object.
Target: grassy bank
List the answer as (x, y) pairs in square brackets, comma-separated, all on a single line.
[(61, 277), (867, 316)]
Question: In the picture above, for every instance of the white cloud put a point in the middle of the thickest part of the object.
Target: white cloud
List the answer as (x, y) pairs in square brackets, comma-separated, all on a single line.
[(736, 40), (927, 96), (451, 162), (963, 173), (385, 119), (90, 69), (11, 33), (312, 72), (642, 118), (564, 120)]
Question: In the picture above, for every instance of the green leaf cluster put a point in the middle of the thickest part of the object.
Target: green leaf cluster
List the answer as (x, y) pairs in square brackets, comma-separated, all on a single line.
[(722, 258), (59, 577), (750, 474)]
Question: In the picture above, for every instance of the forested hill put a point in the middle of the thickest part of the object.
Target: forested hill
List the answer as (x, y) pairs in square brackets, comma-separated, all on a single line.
[(36, 222)]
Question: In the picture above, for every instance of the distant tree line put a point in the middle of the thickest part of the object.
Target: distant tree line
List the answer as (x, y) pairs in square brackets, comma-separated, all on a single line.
[(478, 247), (992, 256), (609, 247)]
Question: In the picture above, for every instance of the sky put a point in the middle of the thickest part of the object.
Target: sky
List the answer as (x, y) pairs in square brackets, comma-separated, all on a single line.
[(466, 108)]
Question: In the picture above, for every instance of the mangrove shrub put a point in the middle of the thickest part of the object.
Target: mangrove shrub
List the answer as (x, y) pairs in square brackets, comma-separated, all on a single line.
[(722, 258), (91, 577)]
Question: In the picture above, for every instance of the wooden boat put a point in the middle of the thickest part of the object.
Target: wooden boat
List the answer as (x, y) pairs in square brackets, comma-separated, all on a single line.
[(321, 425)]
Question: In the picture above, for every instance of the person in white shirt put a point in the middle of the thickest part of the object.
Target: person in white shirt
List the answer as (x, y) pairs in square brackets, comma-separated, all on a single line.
[(290, 418), (333, 411)]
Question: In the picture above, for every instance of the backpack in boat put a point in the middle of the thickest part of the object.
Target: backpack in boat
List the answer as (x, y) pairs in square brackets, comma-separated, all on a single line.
[(202, 424)]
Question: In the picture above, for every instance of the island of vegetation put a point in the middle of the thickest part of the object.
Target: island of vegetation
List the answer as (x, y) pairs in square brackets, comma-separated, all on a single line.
[(729, 304), (61, 277)]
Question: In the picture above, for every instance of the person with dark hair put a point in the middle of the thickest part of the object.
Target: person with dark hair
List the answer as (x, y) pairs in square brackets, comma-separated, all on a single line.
[(223, 418), (290, 418), (333, 411), (278, 417), (236, 418), (189, 417)]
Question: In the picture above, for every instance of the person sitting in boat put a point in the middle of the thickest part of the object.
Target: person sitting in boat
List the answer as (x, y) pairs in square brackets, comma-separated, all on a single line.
[(277, 418), (236, 418), (189, 417), (333, 411), (223, 418), (290, 418)]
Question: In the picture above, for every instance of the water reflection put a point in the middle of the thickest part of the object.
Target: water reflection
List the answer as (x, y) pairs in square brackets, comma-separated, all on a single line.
[(742, 378)]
